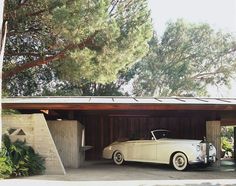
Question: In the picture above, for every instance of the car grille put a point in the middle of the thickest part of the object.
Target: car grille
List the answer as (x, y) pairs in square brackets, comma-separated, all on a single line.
[(204, 151)]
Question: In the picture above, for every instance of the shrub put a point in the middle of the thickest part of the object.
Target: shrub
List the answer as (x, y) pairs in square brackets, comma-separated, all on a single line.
[(226, 145), (5, 163), (24, 160)]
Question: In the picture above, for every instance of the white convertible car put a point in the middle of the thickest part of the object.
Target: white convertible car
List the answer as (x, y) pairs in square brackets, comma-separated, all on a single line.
[(161, 149)]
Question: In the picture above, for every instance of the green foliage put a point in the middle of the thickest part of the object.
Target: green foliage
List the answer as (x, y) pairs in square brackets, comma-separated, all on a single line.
[(5, 163), (86, 40), (87, 89), (227, 134), (31, 82), (185, 60), (226, 145), (21, 159), (9, 111), (227, 131)]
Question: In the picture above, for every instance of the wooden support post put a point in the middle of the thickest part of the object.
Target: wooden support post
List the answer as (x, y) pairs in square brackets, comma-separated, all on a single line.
[(213, 129)]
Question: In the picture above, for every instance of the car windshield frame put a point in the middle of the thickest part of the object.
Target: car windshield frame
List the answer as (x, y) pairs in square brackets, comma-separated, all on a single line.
[(166, 134)]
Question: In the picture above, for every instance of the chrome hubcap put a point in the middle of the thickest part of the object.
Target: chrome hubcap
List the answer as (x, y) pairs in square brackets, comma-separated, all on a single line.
[(118, 157), (179, 161)]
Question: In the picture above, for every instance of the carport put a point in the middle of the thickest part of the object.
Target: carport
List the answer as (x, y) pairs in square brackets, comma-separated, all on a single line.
[(107, 119)]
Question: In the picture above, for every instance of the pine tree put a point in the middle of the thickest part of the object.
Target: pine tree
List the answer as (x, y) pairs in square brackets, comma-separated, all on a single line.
[(77, 39)]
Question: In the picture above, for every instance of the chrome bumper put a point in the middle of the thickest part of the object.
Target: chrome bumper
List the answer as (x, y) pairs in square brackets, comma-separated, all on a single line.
[(205, 160)]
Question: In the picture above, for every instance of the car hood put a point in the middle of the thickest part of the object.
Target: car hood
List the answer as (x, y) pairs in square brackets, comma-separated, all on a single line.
[(179, 140)]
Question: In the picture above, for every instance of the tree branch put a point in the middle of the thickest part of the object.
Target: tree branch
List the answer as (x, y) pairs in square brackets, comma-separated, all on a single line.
[(36, 13), (7, 53), (46, 60), (114, 3), (22, 4), (206, 75), (28, 30), (35, 63)]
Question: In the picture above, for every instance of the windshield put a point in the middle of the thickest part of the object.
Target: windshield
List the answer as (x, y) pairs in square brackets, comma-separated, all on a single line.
[(158, 134)]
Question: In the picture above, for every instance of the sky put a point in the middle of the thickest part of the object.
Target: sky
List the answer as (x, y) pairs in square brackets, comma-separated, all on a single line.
[(220, 14)]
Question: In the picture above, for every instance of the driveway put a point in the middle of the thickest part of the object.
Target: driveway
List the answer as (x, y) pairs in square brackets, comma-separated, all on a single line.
[(24, 182), (107, 171)]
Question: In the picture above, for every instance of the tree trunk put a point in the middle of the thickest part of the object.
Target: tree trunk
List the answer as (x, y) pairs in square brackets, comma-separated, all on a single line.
[(3, 31)]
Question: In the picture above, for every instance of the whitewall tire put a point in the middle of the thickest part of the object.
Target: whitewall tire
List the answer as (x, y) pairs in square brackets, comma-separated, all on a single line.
[(118, 158), (180, 161)]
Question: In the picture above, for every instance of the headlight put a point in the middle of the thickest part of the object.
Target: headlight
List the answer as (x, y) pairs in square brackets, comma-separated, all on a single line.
[(198, 147)]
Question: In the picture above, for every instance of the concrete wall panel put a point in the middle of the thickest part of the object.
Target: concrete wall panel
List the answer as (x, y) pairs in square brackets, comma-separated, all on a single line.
[(65, 135), (33, 128)]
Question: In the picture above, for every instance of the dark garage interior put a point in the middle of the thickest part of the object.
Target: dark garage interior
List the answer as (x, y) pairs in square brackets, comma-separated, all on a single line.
[(101, 130)]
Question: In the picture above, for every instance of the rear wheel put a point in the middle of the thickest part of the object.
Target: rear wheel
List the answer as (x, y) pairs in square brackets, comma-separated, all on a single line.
[(180, 161), (118, 158)]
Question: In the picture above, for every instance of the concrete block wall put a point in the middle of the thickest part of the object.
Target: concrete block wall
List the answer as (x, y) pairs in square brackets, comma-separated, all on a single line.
[(67, 137), (34, 129)]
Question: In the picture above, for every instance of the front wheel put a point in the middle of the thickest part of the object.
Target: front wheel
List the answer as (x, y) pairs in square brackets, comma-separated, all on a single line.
[(180, 161), (118, 158)]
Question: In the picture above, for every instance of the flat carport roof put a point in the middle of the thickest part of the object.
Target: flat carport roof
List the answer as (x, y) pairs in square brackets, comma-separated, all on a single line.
[(119, 103)]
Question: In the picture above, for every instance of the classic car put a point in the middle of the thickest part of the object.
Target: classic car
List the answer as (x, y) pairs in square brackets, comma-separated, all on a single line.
[(161, 149)]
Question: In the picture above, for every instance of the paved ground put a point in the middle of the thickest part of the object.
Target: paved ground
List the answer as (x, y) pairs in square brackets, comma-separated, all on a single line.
[(24, 182), (106, 173)]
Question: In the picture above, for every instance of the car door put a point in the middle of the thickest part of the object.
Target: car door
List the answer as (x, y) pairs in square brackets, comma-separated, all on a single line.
[(145, 150), (163, 151), (130, 147)]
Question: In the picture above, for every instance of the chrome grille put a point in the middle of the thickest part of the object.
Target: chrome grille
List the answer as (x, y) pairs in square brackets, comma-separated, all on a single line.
[(204, 146)]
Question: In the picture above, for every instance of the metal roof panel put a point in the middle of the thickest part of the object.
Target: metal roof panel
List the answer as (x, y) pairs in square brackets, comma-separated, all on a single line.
[(147, 100), (120, 100), (125, 100), (171, 100), (101, 100)]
